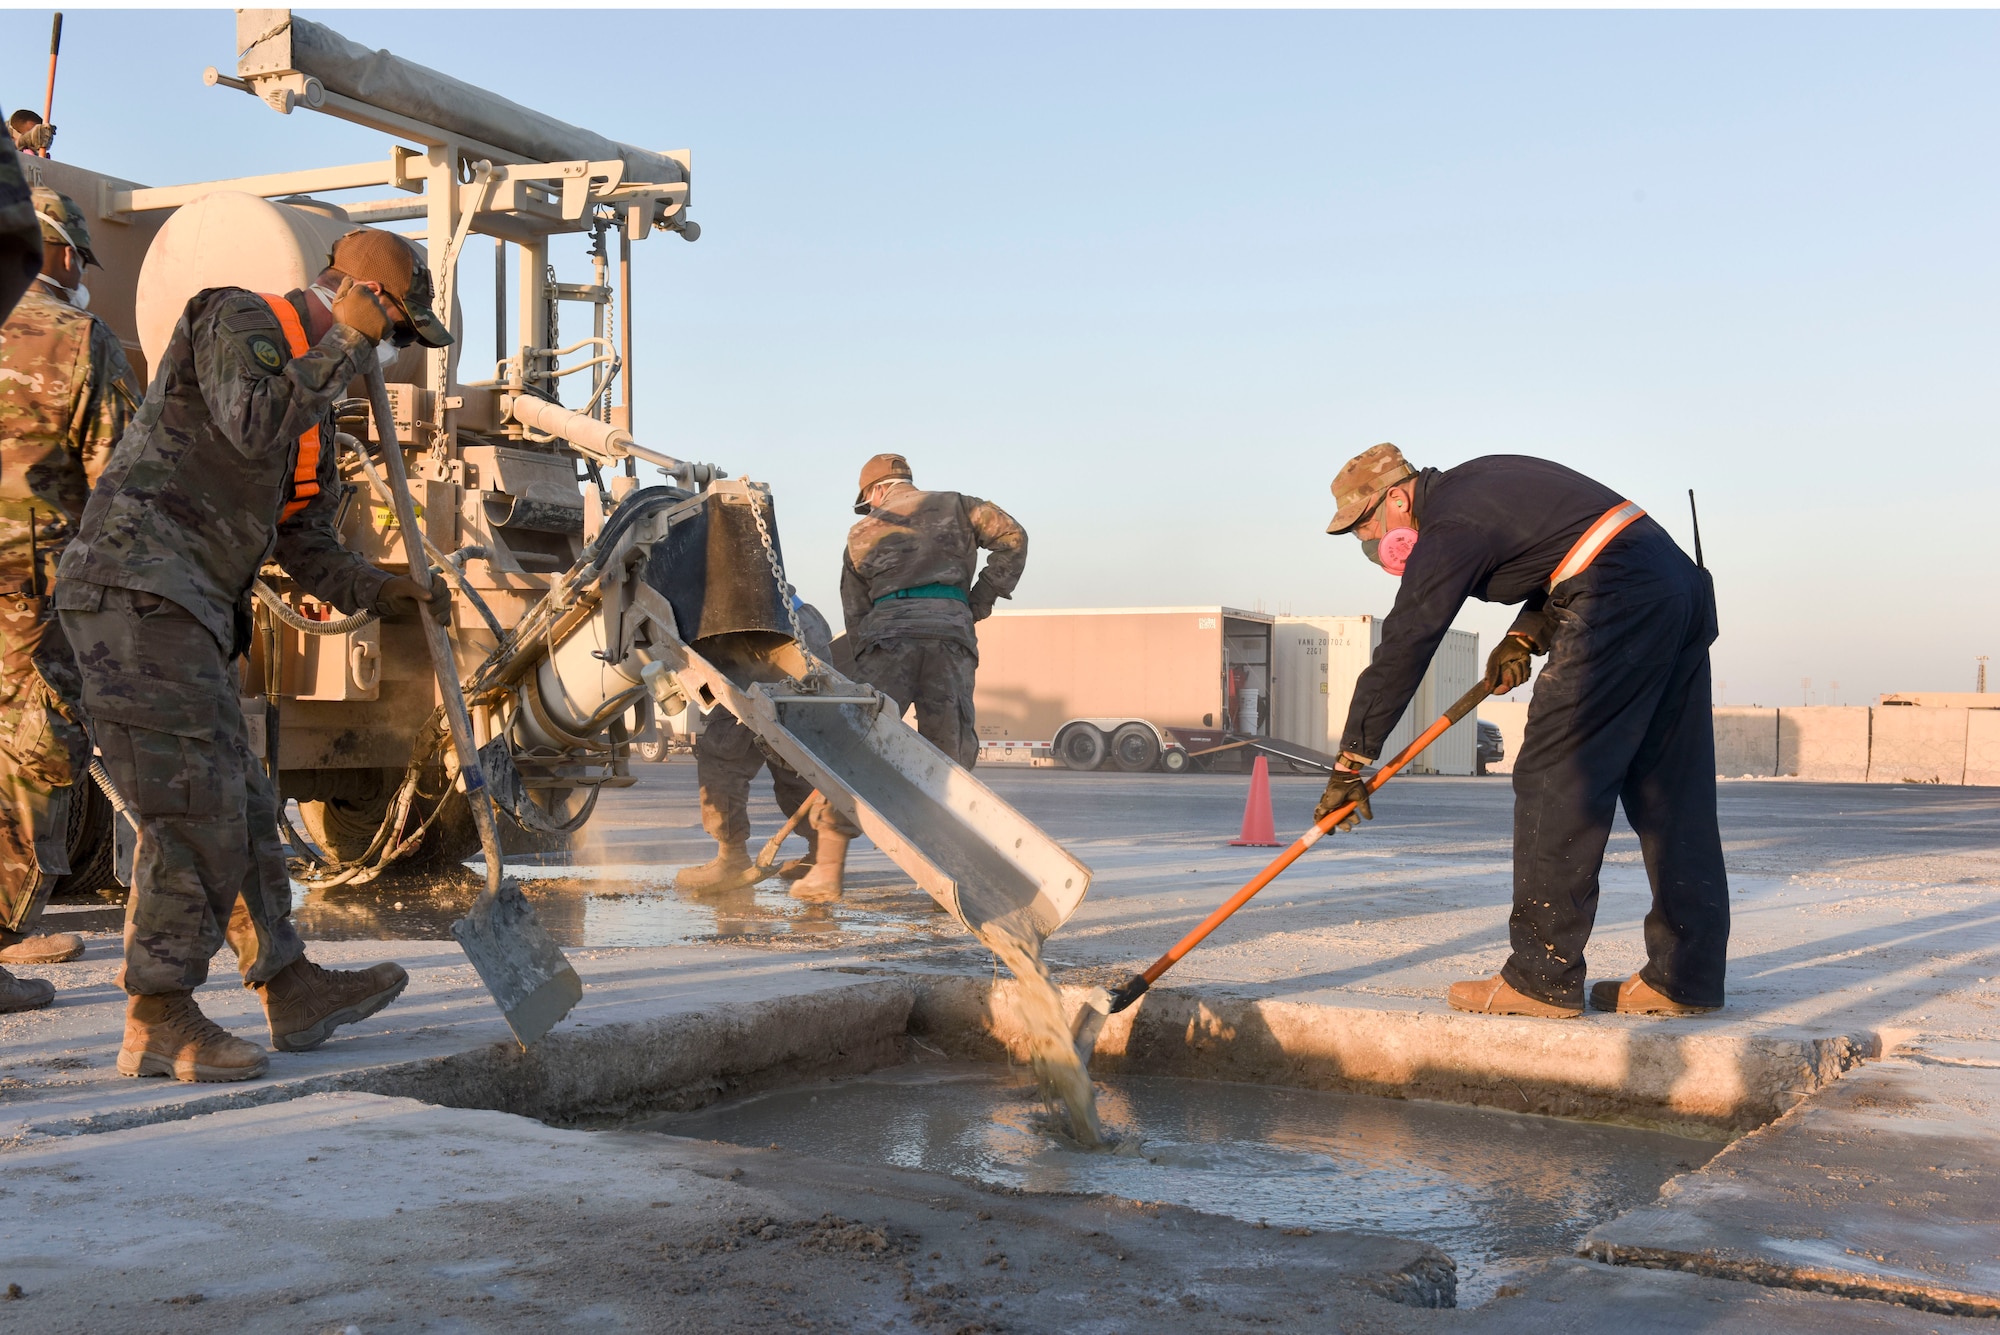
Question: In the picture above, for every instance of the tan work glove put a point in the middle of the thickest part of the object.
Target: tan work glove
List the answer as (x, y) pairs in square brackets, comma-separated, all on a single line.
[(1510, 663), (1344, 786), (355, 306), (401, 594)]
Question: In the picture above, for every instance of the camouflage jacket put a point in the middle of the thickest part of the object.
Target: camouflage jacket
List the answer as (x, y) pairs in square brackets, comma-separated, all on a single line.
[(66, 393), (189, 506), (916, 538)]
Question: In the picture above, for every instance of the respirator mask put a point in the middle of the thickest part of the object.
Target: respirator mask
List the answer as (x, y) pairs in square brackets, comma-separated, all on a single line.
[(1392, 550)]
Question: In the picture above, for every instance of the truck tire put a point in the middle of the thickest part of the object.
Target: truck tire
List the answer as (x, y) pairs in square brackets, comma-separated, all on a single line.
[(1081, 746), (1135, 748), (91, 822), (1175, 760)]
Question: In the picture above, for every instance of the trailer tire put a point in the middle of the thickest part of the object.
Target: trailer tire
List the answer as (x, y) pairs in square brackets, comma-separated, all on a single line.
[(1135, 748), (90, 838), (1081, 746), (1175, 760)]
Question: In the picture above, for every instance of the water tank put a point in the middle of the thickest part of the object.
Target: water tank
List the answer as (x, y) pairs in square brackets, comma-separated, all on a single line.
[(228, 239)]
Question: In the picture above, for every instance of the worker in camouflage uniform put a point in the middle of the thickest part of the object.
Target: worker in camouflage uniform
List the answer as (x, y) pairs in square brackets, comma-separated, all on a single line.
[(66, 393), (20, 235), (228, 463), (908, 593), (727, 757)]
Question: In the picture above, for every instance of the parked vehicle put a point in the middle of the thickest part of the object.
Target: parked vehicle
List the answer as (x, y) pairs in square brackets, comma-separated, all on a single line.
[(1492, 747)]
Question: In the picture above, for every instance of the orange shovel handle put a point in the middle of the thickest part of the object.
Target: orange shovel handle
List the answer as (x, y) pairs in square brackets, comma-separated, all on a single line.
[(1137, 985)]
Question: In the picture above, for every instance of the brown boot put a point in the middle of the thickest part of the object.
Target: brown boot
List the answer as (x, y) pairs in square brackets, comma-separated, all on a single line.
[(1494, 996), (798, 867), (822, 885), (1636, 996), (48, 948), (23, 994), (729, 869), (168, 1035), (306, 1003)]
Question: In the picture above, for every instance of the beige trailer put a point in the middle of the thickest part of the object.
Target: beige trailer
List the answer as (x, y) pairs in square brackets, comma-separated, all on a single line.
[(1316, 661), (1092, 685)]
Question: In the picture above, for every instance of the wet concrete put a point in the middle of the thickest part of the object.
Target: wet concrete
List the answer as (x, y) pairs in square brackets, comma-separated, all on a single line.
[(1494, 1191)]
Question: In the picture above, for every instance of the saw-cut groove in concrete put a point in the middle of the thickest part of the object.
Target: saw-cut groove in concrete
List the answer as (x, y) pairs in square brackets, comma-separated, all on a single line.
[(1683, 1081)]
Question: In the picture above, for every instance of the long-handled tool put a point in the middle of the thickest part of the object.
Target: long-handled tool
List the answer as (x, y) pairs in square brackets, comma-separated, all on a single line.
[(49, 97), (767, 858), (518, 961), (1092, 1018)]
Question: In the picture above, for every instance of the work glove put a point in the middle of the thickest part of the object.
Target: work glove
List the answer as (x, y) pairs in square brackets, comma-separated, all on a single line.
[(1510, 662), (355, 306), (400, 595), (1344, 786)]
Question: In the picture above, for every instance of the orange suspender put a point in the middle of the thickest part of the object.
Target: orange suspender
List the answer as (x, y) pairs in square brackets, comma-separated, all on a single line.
[(1594, 540), (305, 476)]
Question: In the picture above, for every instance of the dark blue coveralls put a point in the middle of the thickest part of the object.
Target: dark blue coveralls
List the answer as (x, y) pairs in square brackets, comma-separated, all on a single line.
[(1620, 711)]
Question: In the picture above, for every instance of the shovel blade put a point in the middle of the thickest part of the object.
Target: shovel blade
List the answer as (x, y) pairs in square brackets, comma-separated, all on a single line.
[(1089, 1023), (519, 962)]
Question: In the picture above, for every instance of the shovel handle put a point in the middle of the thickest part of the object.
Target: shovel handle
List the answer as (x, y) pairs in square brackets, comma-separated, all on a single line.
[(435, 636), (1136, 985), (768, 858)]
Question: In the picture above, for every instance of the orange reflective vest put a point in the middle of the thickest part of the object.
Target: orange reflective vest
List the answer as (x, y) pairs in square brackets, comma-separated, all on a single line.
[(1594, 540), (305, 474)]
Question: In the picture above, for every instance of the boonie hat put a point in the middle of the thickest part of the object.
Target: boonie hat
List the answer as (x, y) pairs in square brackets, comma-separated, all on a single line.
[(1361, 482), (62, 222), (881, 468), (372, 255)]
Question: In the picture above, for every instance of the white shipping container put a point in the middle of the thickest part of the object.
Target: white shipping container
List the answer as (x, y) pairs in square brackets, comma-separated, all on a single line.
[(1318, 660)]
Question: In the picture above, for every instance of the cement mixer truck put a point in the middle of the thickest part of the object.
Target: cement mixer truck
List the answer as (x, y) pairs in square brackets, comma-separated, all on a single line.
[(594, 606)]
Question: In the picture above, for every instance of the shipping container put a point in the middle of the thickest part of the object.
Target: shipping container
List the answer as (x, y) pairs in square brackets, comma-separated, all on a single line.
[(1316, 661)]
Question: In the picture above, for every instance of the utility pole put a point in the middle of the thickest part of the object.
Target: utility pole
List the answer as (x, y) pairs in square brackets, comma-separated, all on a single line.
[(1805, 690), (1979, 681)]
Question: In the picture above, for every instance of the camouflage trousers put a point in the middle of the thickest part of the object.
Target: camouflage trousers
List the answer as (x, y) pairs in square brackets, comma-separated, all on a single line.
[(44, 750), (935, 676), (163, 698), (726, 758)]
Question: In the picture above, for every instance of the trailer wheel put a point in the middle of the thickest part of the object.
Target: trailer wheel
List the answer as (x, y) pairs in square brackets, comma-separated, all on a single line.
[(1081, 746), (1134, 748), (1174, 760), (92, 823)]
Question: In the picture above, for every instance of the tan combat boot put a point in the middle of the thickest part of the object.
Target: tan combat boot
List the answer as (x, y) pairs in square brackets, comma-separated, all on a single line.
[(306, 1003), (48, 948), (729, 869), (1495, 996), (1636, 996), (798, 867), (23, 994), (822, 885), (168, 1035)]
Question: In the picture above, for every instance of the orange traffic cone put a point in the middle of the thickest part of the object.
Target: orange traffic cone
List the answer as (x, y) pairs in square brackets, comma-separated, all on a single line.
[(1259, 831)]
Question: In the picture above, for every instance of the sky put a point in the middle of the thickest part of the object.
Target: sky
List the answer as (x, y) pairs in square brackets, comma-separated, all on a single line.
[(1146, 280)]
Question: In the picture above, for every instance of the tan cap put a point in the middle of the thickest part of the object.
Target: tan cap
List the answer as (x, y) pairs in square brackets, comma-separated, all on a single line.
[(1361, 482), (372, 255), (881, 468), (62, 222)]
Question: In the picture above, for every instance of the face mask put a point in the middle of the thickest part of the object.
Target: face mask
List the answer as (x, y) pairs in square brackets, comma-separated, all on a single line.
[(386, 354), (79, 297), (1392, 551)]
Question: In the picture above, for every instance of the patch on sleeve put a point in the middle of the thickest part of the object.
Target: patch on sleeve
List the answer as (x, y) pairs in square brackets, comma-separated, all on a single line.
[(263, 351), (249, 316)]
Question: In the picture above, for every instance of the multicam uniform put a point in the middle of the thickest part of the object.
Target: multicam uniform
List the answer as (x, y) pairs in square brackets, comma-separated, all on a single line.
[(155, 597), (727, 757), (907, 591), (66, 393)]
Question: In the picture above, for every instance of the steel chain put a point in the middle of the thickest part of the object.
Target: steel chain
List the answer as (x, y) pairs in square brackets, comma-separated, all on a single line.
[(815, 669)]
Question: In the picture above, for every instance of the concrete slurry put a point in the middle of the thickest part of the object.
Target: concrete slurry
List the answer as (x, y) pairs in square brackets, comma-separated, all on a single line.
[(1866, 922)]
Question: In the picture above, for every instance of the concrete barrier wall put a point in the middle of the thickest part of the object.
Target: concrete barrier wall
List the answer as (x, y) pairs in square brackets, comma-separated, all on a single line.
[(1827, 742), (1910, 744), (1746, 742), (1982, 746)]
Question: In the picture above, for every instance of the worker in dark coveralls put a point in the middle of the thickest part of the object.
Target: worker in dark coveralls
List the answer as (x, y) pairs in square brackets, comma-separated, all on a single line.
[(1620, 712), (66, 392), (727, 757), (228, 463)]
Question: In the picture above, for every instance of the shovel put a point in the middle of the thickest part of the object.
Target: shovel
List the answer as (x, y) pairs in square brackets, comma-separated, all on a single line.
[(518, 961), (1101, 1004)]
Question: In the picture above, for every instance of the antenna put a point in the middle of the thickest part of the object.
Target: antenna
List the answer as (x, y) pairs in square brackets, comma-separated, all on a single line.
[(1695, 515)]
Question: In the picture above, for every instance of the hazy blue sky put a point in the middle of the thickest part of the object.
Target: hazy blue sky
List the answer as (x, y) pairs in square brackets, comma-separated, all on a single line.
[(1147, 279)]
